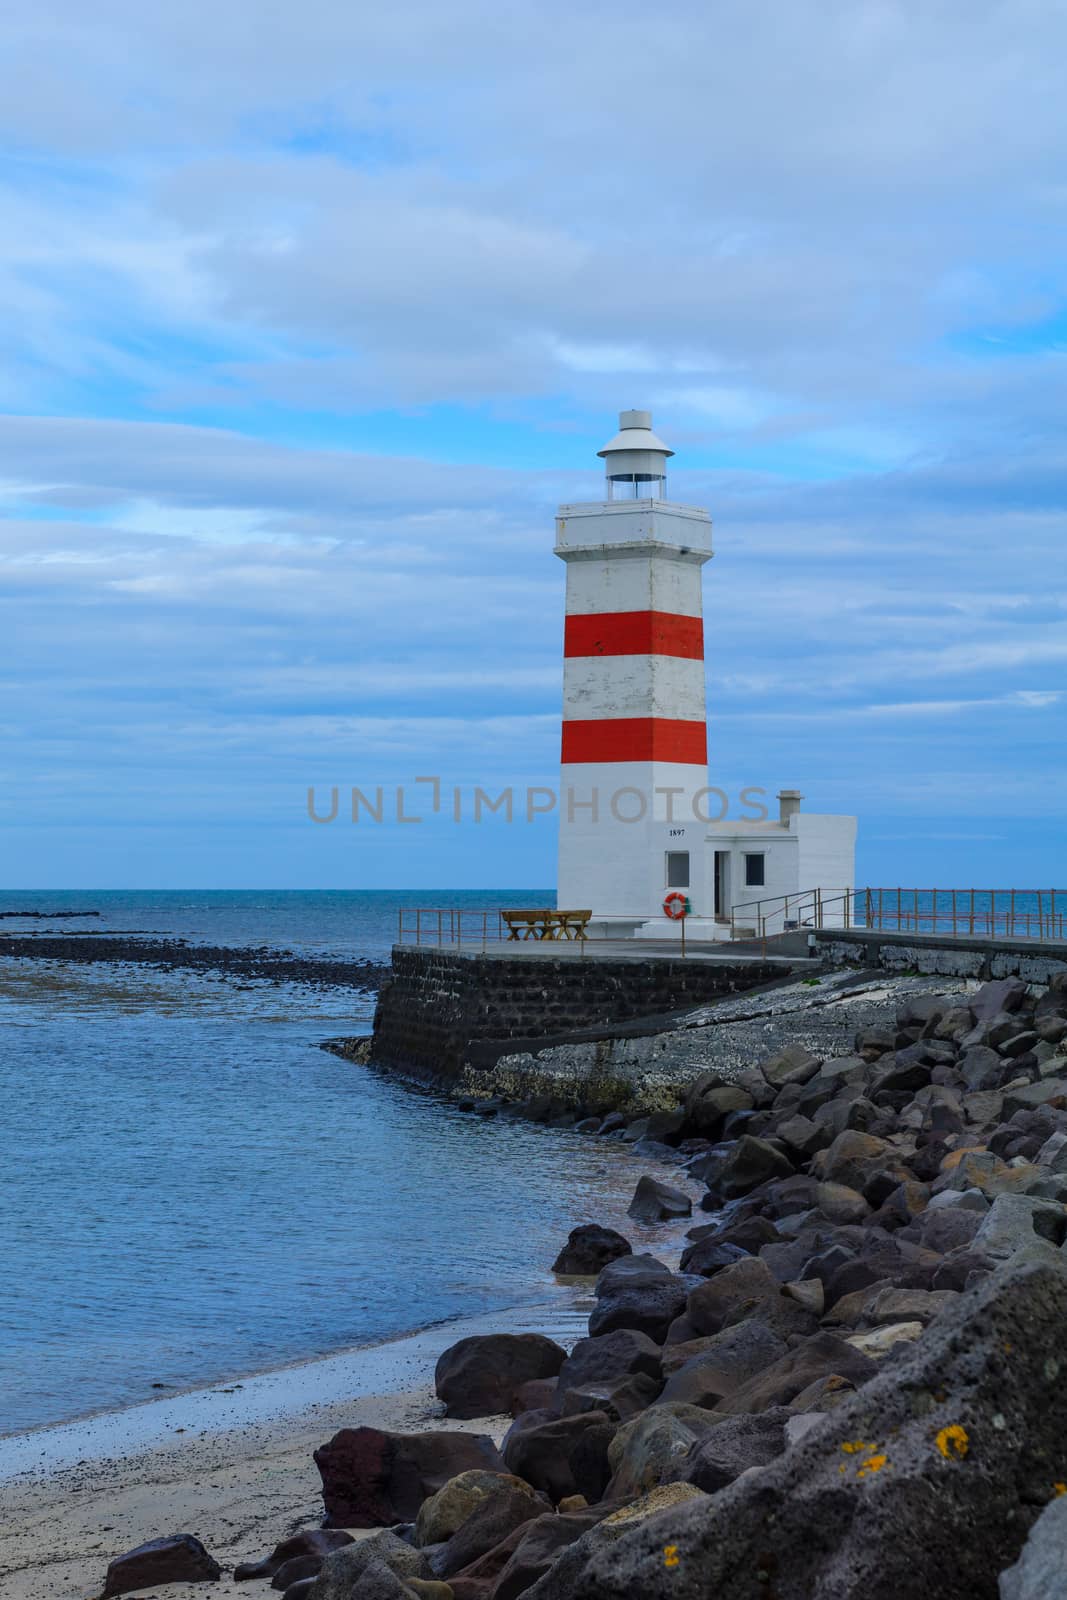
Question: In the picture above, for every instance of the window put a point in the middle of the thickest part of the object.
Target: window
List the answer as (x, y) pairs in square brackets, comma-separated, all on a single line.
[(677, 869), (755, 876)]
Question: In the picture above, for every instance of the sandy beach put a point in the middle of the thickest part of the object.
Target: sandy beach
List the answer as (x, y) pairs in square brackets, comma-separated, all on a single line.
[(232, 1464)]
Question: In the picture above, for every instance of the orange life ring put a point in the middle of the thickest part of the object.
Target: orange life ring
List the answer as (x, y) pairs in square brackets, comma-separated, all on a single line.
[(676, 905)]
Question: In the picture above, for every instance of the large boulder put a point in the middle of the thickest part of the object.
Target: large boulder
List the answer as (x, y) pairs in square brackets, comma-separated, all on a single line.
[(735, 1445), (823, 1355), (479, 1376), (728, 1360), (619, 1354), (748, 1163), (924, 1482), (747, 1289), (540, 1544), (445, 1512), (374, 1479), (588, 1249), (512, 1505), (852, 1158), (629, 1272), (709, 1256), (559, 1581), (542, 1449), (1003, 994), (1014, 1221), (653, 1449), (376, 1581), (620, 1398), (181, 1558), (376, 1568), (648, 1307), (478, 1581), (654, 1201), (794, 1064)]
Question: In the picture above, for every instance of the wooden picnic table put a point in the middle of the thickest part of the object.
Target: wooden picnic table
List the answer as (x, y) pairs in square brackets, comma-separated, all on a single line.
[(546, 924)]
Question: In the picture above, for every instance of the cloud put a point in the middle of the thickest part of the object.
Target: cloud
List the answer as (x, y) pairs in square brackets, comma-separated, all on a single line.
[(314, 315)]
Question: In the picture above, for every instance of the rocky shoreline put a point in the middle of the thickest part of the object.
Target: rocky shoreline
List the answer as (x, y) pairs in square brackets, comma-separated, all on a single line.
[(236, 962), (850, 1385)]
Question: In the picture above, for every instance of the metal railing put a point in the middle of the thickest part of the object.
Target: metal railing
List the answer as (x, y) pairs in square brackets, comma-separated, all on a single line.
[(788, 913), (440, 925), (968, 913), (463, 928), (954, 913)]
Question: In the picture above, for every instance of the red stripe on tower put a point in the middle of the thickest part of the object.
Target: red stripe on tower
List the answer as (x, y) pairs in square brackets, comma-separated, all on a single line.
[(635, 739), (634, 633)]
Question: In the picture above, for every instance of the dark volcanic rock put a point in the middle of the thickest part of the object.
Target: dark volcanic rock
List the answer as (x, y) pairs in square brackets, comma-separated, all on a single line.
[(728, 1360), (373, 1479), (447, 1511), (709, 1256), (295, 1571), (317, 1542), (376, 1568), (948, 1454), (628, 1271), (620, 1399), (748, 1163), (538, 1394), (735, 1445), (540, 1449), (479, 1376), (509, 1507), (747, 1289), (652, 1449), (654, 1201), (650, 1307), (539, 1546), (823, 1355), (614, 1355), (179, 1559), (588, 1249)]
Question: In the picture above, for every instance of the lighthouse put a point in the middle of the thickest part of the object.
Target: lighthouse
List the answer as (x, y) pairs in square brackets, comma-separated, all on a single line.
[(638, 821), (634, 751)]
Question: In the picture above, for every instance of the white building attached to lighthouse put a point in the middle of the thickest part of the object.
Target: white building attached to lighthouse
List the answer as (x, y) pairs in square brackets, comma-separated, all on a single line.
[(639, 820)]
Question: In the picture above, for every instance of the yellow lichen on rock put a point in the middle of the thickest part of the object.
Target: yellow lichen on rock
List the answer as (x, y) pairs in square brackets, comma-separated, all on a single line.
[(953, 1442)]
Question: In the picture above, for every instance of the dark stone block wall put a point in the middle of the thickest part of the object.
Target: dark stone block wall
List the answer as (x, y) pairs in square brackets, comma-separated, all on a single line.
[(437, 1002)]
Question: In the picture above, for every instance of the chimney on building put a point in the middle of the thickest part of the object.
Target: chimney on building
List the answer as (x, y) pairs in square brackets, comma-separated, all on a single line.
[(788, 804)]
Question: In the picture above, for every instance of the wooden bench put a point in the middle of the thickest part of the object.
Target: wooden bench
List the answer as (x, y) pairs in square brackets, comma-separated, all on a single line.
[(544, 924)]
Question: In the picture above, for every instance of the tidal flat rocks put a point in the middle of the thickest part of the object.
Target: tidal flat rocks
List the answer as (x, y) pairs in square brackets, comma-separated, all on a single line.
[(481, 1376)]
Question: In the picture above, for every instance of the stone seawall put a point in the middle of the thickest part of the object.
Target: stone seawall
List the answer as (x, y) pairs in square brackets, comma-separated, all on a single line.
[(1032, 960), (652, 1068), (440, 1002)]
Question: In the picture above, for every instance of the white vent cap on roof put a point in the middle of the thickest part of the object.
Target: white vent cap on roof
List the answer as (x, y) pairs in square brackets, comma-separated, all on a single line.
[(635, 433)]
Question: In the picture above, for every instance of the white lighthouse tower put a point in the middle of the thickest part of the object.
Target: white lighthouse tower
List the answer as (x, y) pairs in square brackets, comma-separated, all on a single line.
[(635, 748), (638, 819)]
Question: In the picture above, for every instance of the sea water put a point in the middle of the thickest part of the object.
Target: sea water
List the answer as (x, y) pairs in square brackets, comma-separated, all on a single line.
[(191, 1189)]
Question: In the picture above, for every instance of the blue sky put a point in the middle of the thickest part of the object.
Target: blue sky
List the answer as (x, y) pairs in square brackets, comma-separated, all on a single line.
[(313, 314)]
